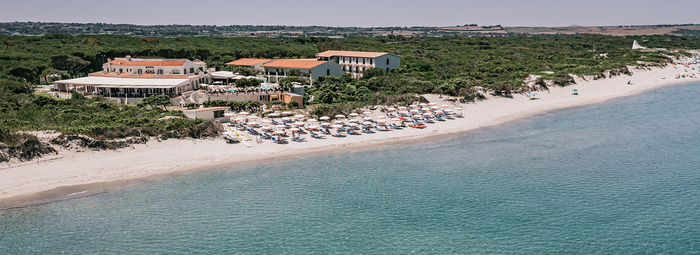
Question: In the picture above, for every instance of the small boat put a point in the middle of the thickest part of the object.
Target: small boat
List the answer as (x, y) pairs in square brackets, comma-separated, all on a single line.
[(231, 137), (420, 126)]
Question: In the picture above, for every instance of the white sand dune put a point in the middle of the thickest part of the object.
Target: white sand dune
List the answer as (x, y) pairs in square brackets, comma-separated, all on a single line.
[(106, 169)]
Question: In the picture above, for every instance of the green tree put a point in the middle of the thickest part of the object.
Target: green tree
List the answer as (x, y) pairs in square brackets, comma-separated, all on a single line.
[(292, 104)]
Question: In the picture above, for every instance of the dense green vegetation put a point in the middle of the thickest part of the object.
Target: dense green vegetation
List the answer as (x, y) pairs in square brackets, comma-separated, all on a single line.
[(460, 66)]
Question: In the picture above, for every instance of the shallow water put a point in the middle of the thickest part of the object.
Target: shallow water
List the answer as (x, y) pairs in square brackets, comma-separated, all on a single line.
[(619, 177)]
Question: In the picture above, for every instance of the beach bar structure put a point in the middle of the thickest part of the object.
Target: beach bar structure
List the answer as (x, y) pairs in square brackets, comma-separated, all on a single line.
[(356, 62), (309, 68), (209, 113), (132, 90)]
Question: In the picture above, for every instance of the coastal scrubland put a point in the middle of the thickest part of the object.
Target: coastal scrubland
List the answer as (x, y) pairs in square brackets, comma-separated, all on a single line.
[(464, 67)]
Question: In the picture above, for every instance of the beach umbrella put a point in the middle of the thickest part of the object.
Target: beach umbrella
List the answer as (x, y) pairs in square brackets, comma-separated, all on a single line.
[(311, 120), (294, 129), (229, 114), (414, 110), (325, 118), (243, 113), (337, 122), (423, 104), (279, 132), (417, 116), (381, 121), (435, 107), (431, 104), (287, 113), (395, 119), (286, 119), (449, 110), (458, 108), (266, 128), (337, 126), (367, 118), (402, 108), (252, 123), (266, 121), (299, 116), (532, 94), (391, 109), (425, 109), (428, 114), (413, 106), (280, 126), (353, 120), (340, 116), (381, 117), (353, 124), (444, 106), (239, 119), (298, 123), (367, 123), (312, 127), (351, 115), (273, 115), (366, 113), (325, 124)]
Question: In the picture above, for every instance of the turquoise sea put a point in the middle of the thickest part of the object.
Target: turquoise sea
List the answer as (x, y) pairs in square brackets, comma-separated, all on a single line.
[(622, 177)]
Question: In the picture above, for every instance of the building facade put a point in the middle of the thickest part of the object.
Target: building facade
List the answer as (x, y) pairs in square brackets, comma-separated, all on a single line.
[(356, 62), (309, 68)]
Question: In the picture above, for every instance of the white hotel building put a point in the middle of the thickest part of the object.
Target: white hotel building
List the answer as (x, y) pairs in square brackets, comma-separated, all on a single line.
[(356, 62)]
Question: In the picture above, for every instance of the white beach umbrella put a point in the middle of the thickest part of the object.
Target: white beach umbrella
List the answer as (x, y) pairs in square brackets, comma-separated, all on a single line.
[(237, 119), (381, 117), (381, 121), (417, 116), (280, 126), (423, 104), (266, 128), (299, 116), (294, 129), (391, 109), (325, 124), (354, 114), (458, 108), (414, 110), (243, 113), (340, 116), (266, 121), (229, 114), (286, 119), (425, 109), (312, 127), (337, 126), (435, 107), (273, 115), (279, 132), (298, 123), (325, 118), (449, 110), (431, 104), (413, 106), (367, 123), (367, 113), (353, 120), (337, 122), (311, 120), (444, 106), (402, 108), (395, 119), (367, 118), (353, 124), (287, 113)]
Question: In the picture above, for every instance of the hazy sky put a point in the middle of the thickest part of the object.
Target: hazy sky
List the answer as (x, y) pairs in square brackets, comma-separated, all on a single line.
[(364, 13)]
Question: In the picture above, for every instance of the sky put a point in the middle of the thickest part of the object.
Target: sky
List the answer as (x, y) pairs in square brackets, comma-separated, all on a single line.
[(360, 13)]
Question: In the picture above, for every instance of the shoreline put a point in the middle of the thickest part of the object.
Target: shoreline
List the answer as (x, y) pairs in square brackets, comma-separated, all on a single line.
[(79, 174)]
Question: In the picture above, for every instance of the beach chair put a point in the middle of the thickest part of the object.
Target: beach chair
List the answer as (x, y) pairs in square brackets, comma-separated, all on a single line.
[(299, 139)]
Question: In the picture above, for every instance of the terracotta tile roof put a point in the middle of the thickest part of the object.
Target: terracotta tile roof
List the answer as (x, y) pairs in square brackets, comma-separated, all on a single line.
[(148, 63), (294, 63), (346, 53), (141, 76), (248, 61)]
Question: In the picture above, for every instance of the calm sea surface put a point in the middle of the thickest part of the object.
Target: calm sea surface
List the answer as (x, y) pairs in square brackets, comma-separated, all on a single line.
[(621, 177)]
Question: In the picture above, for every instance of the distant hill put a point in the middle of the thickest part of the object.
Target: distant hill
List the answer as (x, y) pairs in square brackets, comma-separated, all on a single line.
[(42, 28)]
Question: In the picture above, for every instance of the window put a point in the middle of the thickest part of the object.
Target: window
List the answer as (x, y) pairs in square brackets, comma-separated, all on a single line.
[(363, 60), (140, 71), (387, 69), (160, 71), (219, 114), (328, 72), (120, 70), (184, 71), (370, 61), (191, 70), (387, 61), (176, 71)]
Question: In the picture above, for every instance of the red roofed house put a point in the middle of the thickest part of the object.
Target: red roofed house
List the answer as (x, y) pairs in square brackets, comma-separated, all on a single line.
[(255, 64), (356, 62), (312, 68)]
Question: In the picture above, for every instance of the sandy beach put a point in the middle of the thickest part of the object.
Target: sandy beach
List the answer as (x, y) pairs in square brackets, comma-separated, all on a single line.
[(71, 174)]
